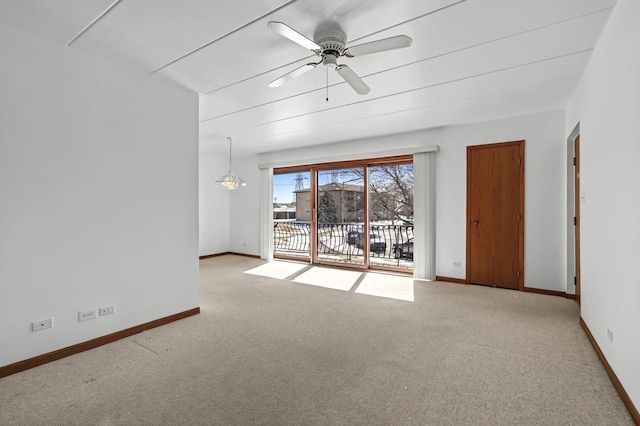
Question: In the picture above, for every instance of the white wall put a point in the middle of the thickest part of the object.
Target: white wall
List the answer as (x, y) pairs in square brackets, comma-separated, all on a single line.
[(214, 206), (244, 223), (607, 105), (545, 193), (98, 195)]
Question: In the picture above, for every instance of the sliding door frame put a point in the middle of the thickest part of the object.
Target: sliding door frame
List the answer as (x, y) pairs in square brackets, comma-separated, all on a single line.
[(315, 259), (313, 170), (424, 266)]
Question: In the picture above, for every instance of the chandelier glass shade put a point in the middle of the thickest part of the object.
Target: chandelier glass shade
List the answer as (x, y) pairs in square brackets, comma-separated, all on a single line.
[(230, 181)]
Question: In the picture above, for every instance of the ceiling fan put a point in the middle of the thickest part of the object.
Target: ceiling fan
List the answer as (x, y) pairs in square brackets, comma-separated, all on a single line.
[(329, 43)]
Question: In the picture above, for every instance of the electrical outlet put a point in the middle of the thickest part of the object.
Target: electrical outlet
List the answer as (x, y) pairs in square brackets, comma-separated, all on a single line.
[(42, 324), (86, 315), (610, 335), (106, 310)]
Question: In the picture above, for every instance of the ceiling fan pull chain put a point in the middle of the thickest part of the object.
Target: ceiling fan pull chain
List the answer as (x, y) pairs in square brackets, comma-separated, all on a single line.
[(326, 71)]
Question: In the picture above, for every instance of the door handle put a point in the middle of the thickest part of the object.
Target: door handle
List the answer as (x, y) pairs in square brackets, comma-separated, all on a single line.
[(474, 223)]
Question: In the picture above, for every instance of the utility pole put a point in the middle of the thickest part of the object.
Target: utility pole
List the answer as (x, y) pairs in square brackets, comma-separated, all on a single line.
[(299, 181)]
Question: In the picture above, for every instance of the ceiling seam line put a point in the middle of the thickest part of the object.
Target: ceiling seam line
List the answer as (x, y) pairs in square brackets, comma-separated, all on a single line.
[(483, 43), (257, 75), (410, 20), (423, 106), (429, 58), (417, 89), (271, 102), (376, 73), (459, 100), (223, 36), (92, 23)]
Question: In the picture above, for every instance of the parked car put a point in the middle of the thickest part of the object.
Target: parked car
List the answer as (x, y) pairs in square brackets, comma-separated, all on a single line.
[(353, 237), (403, 249), (377, 244)]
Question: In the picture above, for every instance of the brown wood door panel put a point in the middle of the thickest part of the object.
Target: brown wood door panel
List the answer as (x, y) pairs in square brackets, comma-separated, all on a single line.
[(495, 200)]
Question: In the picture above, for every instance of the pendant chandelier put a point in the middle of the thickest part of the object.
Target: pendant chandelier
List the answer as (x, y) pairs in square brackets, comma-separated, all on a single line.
[(230, 181)]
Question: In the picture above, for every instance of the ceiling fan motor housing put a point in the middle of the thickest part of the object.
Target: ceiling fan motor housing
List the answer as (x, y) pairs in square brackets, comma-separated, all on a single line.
[(332, 40)]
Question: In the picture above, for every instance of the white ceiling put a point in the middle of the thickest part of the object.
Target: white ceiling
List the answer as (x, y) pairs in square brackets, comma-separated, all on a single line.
[(471, 60)]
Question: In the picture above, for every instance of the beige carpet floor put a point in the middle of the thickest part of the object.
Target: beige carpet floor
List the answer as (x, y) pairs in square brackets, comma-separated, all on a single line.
[(272, 351)]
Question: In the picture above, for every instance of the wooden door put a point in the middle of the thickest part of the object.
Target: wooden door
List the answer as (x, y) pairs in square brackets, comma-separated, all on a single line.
[(576, 162), (495, 207)]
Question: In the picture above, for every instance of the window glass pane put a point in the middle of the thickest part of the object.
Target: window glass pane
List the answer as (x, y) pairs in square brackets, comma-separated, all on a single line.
[(340, 201), (391, 215), (291, 215)]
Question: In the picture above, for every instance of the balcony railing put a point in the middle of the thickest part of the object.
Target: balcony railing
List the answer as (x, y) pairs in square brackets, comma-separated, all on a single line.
[(389, 245)]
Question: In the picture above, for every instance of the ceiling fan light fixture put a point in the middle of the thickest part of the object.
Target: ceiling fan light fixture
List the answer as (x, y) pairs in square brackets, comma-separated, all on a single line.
[(230, 181), (330, 60)]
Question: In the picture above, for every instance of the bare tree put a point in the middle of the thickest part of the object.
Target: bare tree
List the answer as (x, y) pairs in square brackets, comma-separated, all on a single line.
[(391, 191)]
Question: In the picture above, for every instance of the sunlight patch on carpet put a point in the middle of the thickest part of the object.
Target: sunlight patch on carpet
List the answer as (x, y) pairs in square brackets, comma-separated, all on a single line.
[(335, 279), (277, 269), (390, 286)]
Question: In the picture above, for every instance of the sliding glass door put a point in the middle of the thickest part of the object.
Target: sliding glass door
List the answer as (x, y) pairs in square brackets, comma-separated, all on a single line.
[(391, 214), (292, 215), (357, 214), (340, 201)]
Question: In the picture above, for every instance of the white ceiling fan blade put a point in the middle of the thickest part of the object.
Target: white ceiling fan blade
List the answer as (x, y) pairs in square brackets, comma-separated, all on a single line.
[(353, 80), (288, 32), (391, 43), (293, 74)]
